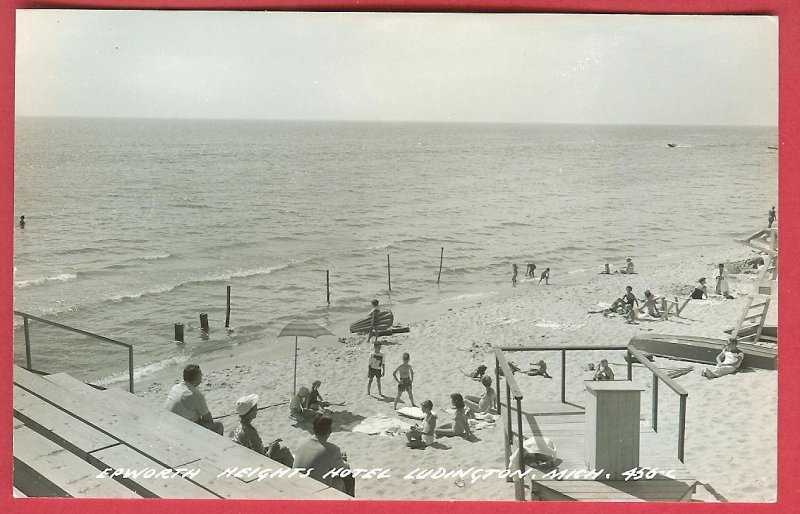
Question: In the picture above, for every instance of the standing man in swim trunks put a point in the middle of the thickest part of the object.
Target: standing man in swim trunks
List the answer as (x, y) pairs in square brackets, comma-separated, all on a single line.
[(771, 216), (514, 274), (373, 315)]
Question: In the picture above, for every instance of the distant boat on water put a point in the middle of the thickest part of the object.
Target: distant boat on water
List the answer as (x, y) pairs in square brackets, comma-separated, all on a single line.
[(672, 145), (772, 147)]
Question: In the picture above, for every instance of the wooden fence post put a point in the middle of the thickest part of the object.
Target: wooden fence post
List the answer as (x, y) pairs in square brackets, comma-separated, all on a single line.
[(204, 321), (328, 285), (228, 310), (179, 332), (389, 268)]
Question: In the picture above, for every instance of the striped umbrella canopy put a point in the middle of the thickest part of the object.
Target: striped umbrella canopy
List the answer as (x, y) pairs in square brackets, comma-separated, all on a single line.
[(298, 329)]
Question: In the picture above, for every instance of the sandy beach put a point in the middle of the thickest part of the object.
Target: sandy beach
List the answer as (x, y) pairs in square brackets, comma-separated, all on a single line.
[(731, 427)]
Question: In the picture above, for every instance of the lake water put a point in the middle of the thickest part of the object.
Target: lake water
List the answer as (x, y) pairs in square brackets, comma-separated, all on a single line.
[(135, 225)]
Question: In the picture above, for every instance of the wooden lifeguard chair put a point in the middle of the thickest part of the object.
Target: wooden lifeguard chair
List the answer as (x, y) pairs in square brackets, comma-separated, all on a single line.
[(750, 326)]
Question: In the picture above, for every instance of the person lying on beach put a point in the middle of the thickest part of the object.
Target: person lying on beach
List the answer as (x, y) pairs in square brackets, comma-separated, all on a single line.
[(405, 379), (649, 303), (246, 435), (420, 437), (545, 276), (376, 368), (616, 307), (314, 400), (484, 404), (297, 409), (603, 371), (700, 290), (477, 374), (186, 400), (539, 369), (459, 426), (728, 360)]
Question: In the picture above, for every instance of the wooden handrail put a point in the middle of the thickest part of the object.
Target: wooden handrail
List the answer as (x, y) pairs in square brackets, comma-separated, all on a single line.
[(25, 317)]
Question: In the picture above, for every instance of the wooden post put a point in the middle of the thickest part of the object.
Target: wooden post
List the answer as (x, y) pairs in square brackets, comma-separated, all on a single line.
[(130, 369), (441, 259), (497, 381), (328, 285), (204, 321), (179, 332), (228, 310), (389, 268), (654, 422), (681, 427), (664, 312), (630, 365), (27, 342), (563, 376), (508, 414), (520, 485)]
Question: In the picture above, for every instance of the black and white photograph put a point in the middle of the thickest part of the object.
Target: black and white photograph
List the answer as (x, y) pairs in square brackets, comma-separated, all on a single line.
[(395, 256)]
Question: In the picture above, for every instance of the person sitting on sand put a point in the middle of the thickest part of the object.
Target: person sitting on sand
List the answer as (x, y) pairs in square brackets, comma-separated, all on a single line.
[(728, 360), (297, 407), (649, 303), (320, 457), (484, 404), (630, 298), (607, 270), (460, 425), (539, 369), (405, 379), (545, 276), (603, 371), (376, 368), (186, 400), (700, 290), (314, 400), (246, 434), (420, 437), (628, 267)]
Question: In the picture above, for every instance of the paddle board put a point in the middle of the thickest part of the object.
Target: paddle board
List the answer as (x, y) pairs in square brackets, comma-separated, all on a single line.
[(384, 322)]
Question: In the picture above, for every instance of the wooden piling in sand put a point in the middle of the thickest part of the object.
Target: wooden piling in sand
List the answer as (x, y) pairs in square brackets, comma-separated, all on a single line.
[(328, 285), (204, 321)]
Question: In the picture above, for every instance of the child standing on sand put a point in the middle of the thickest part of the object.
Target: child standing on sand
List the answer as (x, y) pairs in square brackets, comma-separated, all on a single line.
[(376, 369), (405, 379)]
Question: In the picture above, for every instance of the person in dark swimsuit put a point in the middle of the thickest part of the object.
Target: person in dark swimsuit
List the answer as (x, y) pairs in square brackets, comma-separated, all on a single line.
[(700, 290)]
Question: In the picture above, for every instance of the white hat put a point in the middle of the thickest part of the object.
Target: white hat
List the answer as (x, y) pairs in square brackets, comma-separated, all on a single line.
[(245, 403)]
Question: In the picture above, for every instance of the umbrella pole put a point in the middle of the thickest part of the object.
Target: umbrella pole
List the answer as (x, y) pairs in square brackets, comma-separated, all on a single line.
[(294, 384)]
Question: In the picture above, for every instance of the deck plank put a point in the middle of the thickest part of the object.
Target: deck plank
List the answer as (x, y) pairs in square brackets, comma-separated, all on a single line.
[(60, 467), (123, 457)]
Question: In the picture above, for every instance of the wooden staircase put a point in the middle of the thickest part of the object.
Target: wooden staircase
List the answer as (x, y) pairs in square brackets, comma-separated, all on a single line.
[(68, 438), (750, 325)]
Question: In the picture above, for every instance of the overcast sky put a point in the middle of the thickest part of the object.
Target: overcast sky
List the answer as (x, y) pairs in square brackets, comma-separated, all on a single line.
[(399, 66)]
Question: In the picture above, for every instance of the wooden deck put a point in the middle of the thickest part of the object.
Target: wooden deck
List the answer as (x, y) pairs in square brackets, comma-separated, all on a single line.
[(564, 424), (67, 433)]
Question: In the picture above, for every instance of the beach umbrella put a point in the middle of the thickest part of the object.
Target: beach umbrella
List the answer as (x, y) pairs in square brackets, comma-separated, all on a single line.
[(298, 329)]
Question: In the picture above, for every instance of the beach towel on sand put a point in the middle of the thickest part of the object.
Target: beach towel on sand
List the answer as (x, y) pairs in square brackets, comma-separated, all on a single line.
[(382, 425), (411, 412), (536, 449)]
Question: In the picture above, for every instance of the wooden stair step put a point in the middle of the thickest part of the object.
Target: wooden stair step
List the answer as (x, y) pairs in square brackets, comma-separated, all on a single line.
[(56, 466)]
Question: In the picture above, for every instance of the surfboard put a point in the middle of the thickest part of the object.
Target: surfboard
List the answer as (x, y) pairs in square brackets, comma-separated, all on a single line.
[(384, 322)]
